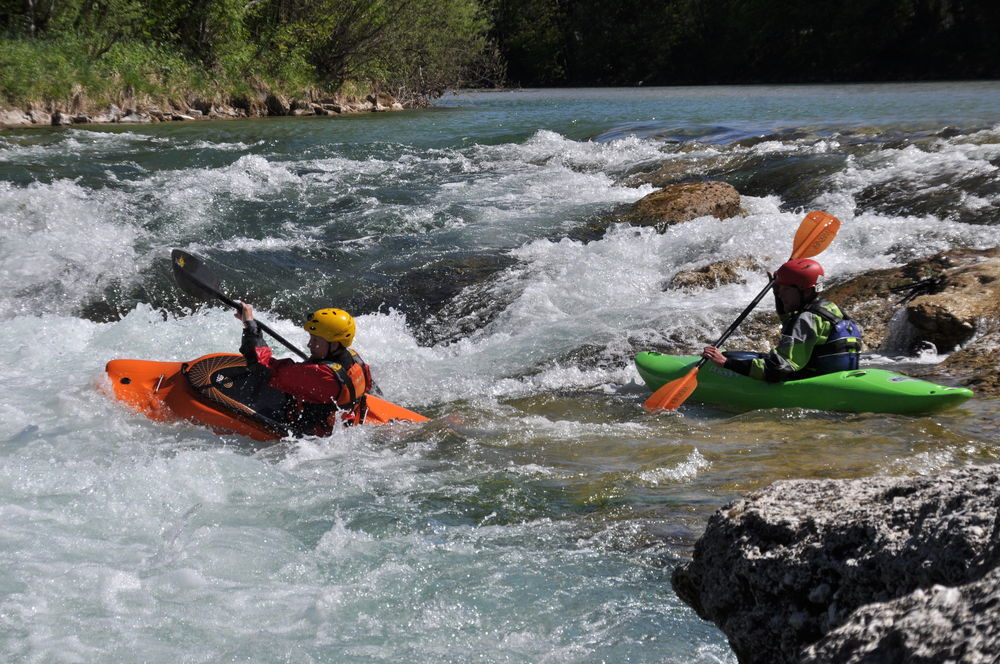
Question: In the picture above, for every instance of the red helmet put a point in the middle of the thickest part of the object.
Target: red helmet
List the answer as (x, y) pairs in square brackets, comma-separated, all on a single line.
[(802, 273)]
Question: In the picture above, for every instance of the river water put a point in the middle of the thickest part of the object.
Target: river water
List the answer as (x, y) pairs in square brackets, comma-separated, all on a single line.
[(538, 515)]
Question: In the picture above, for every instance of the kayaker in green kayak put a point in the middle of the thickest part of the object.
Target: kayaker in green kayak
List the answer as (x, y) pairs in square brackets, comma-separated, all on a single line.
[(817, 337)]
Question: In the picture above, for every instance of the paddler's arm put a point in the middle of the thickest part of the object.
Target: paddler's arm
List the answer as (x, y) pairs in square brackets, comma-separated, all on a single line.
[(740, 366), (792, 353), (783, 362), (714, 355), (253, 338)]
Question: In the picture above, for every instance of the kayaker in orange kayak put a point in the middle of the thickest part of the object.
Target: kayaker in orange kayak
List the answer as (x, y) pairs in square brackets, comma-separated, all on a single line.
[(331, 385)]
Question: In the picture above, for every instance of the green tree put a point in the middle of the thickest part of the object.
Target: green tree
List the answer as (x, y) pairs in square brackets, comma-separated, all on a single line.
[(433, 46)]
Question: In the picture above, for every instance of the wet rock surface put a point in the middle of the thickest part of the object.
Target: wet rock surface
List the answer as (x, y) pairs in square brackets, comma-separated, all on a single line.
[(682, 202), (947, 298), (873, 570), (715, 274), (950, 301)]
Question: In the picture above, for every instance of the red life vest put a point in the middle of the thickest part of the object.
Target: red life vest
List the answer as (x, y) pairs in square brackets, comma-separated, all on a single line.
[(350, 408)]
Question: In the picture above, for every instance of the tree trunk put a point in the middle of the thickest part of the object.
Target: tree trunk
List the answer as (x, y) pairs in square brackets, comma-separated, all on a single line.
[(29, 10)]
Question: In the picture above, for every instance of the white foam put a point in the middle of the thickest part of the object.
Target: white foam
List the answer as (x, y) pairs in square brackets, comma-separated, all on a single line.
[(63, 242), (922, 169), (685, 470)]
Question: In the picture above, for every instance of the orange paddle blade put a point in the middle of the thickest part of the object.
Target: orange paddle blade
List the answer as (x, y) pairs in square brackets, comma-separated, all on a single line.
[(674, 393), (815, 234)]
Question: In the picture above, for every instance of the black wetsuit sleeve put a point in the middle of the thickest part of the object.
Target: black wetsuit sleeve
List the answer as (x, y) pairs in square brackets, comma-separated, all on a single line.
[(252, 338), (738, 365)]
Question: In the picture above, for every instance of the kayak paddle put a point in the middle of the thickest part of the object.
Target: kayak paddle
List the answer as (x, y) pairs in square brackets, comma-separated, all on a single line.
[(198, 281), (814, 235)]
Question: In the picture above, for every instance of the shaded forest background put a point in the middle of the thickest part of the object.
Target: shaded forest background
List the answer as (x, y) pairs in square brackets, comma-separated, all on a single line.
[(104, 51), (666, 42)]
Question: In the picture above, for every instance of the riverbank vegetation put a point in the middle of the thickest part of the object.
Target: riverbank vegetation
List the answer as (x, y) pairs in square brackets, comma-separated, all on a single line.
[(110, 51), (97, 52)]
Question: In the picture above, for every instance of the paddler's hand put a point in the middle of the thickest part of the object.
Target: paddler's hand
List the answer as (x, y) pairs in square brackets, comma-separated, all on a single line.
[(713, 354), (245, 313)]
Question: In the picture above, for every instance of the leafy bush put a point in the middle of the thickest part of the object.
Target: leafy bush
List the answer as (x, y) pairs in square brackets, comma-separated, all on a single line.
[(40, 70)]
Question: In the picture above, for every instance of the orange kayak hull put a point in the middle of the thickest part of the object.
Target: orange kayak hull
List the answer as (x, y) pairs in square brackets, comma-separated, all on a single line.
[(162, 393)]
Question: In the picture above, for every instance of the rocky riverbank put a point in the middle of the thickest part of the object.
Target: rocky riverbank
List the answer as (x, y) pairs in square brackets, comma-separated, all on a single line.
[(870, 570), (256, 106)]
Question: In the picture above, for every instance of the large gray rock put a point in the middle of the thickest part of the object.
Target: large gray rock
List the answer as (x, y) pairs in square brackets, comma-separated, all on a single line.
[(135, 118), (383, 101), (39, 117), (278, 105), (785, 567), (112, 114)]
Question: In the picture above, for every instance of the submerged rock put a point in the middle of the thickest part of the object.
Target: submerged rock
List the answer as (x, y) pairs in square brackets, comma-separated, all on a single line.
[(878, 569), (977, 364), (715, 274)]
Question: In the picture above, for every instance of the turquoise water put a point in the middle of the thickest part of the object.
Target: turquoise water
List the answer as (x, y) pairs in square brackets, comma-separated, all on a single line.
[(539, 514)]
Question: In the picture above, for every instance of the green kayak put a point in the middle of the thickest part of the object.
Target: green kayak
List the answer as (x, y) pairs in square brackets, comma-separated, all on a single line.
[(859, 391)]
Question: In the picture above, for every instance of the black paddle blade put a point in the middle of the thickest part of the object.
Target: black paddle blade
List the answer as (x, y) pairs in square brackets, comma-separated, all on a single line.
[(192, 276)]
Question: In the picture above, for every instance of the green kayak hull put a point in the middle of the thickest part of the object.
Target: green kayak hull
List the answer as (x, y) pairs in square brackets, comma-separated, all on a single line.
[(858, 391)]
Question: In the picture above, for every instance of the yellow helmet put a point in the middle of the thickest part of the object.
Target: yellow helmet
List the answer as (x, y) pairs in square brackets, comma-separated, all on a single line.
[(334, 325)]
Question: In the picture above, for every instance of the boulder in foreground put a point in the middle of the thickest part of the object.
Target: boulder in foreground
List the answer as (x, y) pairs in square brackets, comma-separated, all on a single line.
[(835, 570)]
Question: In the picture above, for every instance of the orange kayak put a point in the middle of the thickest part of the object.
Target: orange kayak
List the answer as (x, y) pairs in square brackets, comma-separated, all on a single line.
[(166, 392)]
